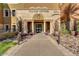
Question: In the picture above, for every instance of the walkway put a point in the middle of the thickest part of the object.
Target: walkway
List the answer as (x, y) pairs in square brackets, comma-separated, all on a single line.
[(39, 45)]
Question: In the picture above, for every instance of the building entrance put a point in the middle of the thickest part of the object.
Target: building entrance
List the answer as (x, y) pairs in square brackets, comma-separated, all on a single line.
[(38, 27)]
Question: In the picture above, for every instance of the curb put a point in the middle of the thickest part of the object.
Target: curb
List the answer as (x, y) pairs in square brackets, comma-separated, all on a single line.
[(13, 50)]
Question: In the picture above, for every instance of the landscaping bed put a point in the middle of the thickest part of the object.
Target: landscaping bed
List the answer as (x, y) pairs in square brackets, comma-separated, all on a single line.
[(7, 35), (70, 42)]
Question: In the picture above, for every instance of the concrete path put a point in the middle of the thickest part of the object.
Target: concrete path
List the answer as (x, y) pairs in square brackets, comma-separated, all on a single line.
[(38, 45)]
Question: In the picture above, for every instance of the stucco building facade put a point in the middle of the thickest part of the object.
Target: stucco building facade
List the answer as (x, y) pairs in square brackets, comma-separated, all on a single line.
[(36, 17)]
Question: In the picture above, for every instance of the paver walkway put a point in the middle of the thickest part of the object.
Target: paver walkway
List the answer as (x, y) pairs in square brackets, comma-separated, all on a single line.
[(38, 45)]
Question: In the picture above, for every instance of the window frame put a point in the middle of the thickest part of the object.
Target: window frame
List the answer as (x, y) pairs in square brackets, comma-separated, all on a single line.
[(5, 14), (14, 28), (5, 27), (13, 13)]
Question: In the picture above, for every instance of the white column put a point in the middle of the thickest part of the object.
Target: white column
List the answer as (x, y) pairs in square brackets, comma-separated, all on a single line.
[(44, 26), (72, 24), (25, 27), (51, 27), (32, 26), (59, 25)]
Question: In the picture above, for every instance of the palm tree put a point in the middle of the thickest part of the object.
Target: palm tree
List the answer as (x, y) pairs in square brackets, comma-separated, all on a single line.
[(66, 11), (20, 25)]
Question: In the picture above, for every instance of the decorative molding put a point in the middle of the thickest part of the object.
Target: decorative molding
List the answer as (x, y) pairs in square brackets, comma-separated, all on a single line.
[(38, 9)]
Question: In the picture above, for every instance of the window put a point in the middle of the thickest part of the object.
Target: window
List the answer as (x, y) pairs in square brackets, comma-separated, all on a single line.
[(14, 28), (7, 28), (13, 12), (6, 13)]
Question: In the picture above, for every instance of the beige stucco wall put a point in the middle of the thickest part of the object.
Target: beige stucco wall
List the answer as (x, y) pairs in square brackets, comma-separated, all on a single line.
[(26, 14), (27, 11)]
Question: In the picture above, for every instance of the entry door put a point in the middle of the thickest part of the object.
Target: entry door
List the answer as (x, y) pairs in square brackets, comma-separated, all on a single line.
[(38, 28)]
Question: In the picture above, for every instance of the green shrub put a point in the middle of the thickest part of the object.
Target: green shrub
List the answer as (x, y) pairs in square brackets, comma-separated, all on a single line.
[(7, 35), (64, 30)]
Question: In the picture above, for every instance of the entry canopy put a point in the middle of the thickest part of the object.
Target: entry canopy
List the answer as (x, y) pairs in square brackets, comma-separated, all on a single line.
[(38, 17)]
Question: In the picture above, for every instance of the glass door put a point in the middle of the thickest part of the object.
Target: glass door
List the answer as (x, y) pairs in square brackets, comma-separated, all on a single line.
[(38, 28)]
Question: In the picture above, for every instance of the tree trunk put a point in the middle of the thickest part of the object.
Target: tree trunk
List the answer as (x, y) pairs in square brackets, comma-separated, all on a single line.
[(20, 26), (75, 27), (68, 24)]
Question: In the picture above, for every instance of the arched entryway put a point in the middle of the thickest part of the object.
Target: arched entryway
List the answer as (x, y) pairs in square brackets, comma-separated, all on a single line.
[(38, 24)]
